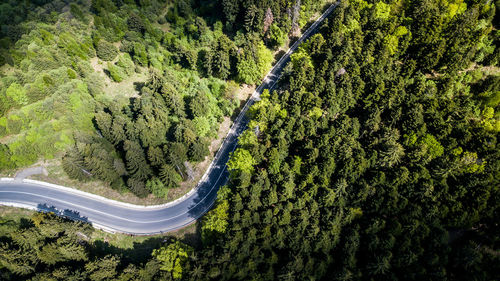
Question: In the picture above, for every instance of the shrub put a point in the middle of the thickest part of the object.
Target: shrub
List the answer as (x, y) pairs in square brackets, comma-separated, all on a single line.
[(116, 73), (3, 126), (106, 51), (126, 63), (198, 150), (157, 187), (14, 124), (5, 154), (17, 93), (140, 54), (136, 23)]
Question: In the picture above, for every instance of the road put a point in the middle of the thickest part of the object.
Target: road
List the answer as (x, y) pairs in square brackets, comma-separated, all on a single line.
[(115, 216)]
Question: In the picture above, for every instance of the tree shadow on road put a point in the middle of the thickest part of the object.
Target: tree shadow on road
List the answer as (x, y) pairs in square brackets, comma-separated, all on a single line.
[(65, 213)]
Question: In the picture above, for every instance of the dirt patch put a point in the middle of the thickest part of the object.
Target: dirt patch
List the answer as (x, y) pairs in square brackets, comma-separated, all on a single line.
[(245, 92), (164, 27), (127, 88), (97, 64)]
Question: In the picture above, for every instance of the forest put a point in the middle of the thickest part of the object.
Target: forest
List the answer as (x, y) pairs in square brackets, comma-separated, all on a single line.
[(62, 62), (375, 157)]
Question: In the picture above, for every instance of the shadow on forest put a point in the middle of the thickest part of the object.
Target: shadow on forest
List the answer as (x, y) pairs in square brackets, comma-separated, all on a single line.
[(279, 54), (138, 86), (141, 252)]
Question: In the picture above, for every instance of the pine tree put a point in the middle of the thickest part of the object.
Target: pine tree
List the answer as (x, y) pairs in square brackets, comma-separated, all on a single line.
[(156, 156), (104, 121), (74, 166), (169, 176)]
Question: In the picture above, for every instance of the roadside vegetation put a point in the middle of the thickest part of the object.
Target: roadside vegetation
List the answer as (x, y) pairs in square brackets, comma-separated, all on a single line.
[(375, 158)]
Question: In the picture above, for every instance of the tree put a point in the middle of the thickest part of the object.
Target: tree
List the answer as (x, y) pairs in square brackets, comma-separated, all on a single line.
[(199, 104), (17, 93), (157, 187), (242, 161), (230, 9), (248, 71), (135, 23), (219, 61), (137, 187), (156, 156), (198, 150), (155, 79), (104, 121), (5, 154), (174, 258), (277, 37), (169, 176), (136, 161), (173, 99), (106, 51), (116, 73), (140, 54), (202, 126), (215, 222), (74, 166), (102, 269), (268, 19)]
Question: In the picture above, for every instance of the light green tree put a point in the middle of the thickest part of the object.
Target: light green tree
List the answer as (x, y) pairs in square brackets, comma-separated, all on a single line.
[(157, 187), (173, 258), (242, 161), (202, 125), (265, 59), (215, 221), (17, 93)]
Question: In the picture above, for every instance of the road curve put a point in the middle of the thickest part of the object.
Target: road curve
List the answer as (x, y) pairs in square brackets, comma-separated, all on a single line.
[(116, 216)]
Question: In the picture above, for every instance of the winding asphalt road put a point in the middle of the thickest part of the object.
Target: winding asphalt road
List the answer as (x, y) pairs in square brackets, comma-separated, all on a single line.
[(115, 216)]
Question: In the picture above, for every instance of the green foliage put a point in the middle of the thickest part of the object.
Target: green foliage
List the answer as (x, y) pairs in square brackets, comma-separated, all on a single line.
[(5, 157), (241, 161), (358, 166), (17, 93), (277, 36), (382, 10), (102, 269), (247, 71), (42, 244), (375, 159), (433, 147), (202, 126), (198, 150), (265, 59), (169, 176), (215, 222), (125, 62), (106, 51), (116, 73), (157, 188), (77, 12), (392, 40), (140, 54), (173, 258), (252, 67)]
